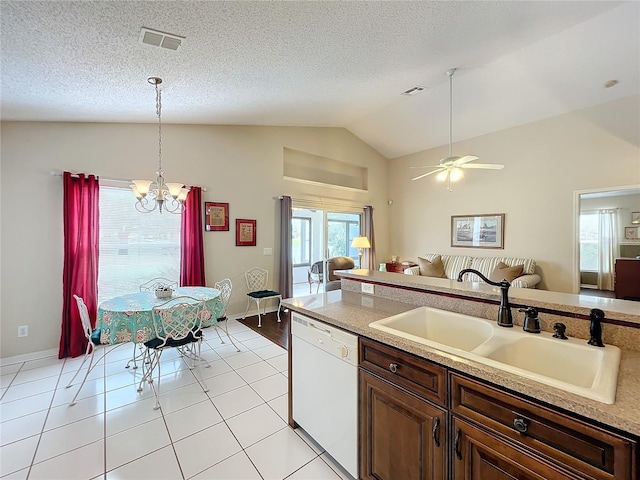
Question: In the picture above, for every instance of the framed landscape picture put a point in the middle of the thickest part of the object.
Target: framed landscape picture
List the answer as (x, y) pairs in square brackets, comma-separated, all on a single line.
[(478, 231), (245, 233), (216, 216)]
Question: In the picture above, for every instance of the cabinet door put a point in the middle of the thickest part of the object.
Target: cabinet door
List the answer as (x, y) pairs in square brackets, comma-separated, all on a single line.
[(478, 455), (401, 436)]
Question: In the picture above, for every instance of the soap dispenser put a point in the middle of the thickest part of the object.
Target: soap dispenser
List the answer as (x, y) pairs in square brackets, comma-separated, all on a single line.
[(531, 320)]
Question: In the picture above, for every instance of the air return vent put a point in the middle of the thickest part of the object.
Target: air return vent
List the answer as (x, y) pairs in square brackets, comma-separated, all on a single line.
[(413, 91), (155, 38)]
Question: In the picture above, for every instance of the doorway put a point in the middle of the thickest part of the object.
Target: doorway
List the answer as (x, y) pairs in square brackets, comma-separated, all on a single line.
[(316, 235), (602, 218)]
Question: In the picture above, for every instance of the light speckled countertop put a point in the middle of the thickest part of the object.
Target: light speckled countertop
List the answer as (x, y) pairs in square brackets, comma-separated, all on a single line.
[(353, 312)]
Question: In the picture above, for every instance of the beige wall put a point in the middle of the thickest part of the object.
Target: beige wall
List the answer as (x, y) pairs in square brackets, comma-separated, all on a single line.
[(545, 162), (239, 165)]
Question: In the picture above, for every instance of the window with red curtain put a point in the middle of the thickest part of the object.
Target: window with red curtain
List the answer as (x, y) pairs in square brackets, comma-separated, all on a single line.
[(80, 270), (192, 242)]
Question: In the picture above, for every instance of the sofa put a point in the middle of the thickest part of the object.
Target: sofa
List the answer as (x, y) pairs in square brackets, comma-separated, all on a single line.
[(454, 264)]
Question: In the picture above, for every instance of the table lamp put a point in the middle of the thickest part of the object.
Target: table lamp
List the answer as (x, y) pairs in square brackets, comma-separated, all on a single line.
[(360, 243)]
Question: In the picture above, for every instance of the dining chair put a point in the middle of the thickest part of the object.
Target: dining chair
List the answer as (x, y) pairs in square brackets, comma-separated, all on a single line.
[(225, 286), (93, 341), (177, 324), (150, 286), (257, 281)]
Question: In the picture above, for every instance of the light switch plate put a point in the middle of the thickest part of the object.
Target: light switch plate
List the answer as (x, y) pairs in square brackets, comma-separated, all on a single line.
[(267, 251), (367, 288)]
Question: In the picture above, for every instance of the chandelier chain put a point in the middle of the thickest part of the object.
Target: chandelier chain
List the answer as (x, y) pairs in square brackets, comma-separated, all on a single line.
[(159, 113)]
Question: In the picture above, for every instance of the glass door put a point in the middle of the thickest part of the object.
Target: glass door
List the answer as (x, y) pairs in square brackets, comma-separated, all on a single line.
[(316, 235)]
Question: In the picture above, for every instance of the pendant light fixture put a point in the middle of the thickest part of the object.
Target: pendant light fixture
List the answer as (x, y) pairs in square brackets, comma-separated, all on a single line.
[(450, 168), (158, 194)]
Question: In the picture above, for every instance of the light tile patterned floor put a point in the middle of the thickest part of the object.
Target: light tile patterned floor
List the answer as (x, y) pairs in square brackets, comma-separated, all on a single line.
[(237, 430)]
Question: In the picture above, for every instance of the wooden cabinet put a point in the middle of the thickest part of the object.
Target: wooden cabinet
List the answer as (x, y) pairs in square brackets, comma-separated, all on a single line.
[(398, 267), (420, 421), (478, 455), (402, 435), (627, 279), (549, 437), (403, 432)]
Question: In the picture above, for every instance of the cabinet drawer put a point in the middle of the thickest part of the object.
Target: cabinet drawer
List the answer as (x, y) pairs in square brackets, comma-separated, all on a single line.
[(579, 446), (415, 374)]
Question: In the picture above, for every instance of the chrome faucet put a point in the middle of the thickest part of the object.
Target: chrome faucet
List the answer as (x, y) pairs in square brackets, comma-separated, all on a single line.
[(504, 310)]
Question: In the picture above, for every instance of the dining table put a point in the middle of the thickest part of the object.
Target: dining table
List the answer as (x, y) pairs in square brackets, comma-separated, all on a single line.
[(128, 318)]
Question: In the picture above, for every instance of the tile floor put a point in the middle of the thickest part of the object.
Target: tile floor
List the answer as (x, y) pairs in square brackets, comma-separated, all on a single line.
[(238, 430)]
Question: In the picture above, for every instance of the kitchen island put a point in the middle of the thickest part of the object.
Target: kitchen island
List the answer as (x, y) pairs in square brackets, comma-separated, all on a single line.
[(353, 312)]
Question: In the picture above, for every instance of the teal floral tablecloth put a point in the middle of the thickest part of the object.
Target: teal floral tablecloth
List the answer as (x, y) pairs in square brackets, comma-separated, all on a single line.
[(128, 318)]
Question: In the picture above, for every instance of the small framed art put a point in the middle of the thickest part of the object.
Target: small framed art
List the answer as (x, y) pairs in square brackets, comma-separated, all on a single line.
[(216, 217), (635, 218), (245, 233), (478, 231), (631, 233)]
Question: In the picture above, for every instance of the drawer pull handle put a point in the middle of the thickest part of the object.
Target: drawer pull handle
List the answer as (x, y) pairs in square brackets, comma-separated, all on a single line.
[(520, 425), (393, 367), (436, 437), (456, 444)]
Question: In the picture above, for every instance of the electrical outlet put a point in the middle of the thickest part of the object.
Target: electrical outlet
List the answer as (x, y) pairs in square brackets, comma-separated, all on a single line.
[(367, 288), (267, 251), (23, 331)]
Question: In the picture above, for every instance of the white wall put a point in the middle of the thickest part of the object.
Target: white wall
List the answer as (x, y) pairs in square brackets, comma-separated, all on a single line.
[(545, 162), (239, 165)]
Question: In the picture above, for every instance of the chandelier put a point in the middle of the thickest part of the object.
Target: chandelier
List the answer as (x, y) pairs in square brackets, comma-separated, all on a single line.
[(159, 194)]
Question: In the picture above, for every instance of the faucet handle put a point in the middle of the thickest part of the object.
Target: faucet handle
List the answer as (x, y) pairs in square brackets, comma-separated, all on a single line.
[(531, 321), (559, 330)]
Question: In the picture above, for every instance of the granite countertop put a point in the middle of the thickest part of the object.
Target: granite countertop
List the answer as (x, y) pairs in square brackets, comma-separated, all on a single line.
[(622, 310), (353, 312)]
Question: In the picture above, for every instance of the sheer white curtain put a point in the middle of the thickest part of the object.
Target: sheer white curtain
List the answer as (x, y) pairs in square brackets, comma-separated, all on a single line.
[(608, 248)]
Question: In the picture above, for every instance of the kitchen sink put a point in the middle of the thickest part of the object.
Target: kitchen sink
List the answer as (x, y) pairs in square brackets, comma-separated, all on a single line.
[(571, 365), (434, 327)]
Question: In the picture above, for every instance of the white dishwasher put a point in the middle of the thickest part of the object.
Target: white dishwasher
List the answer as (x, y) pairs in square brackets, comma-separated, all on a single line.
[(325, 387)]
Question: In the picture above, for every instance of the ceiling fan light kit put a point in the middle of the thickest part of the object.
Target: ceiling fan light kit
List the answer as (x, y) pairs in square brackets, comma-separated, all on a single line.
[(451, 168)]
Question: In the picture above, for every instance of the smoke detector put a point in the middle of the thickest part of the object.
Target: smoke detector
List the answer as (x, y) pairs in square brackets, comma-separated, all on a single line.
[(156, 38)]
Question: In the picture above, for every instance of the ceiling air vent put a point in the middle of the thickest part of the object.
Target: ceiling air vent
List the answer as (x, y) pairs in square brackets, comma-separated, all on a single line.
[(156, 38)]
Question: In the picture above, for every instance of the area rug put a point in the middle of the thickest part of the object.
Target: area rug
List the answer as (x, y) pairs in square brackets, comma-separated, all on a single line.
[(278, 333)]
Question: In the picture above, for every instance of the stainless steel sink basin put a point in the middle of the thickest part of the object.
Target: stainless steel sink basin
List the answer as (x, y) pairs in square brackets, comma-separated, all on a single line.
[(438, 327), (570, 365)]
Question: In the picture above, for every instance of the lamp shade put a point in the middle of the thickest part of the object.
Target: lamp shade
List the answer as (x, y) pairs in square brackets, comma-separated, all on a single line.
[(360, 242)]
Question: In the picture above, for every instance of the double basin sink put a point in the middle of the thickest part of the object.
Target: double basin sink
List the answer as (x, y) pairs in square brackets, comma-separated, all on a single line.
[(571, 365)]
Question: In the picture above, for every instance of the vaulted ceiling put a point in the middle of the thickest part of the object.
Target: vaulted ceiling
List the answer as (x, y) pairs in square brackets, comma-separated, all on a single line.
[(339, 63)]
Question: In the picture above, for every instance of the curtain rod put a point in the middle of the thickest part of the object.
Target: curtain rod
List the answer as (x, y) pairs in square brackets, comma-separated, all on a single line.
[(58, 173), (321, 202)]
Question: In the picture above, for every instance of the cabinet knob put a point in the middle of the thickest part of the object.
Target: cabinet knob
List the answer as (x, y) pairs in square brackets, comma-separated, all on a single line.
[(520, 424), (393, 367)]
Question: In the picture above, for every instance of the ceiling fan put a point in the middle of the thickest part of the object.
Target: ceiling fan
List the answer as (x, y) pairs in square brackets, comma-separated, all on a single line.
[(450, 168)]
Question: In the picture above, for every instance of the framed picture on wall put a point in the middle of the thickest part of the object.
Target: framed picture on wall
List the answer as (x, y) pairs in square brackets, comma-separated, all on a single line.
[(478, 231), (631, 233), (216, 216), (245, 233), (635, 218)]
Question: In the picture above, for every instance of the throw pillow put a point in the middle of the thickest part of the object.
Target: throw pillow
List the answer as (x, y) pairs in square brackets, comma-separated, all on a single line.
[(505, 272), (435, 268)]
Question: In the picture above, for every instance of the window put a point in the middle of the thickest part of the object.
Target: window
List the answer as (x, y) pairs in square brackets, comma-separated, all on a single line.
[(134, 247), (589, 241), (301, 241), (342, 228)]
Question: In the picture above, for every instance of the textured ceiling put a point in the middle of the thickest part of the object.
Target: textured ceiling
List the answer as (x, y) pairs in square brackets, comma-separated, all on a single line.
[(338, 63)]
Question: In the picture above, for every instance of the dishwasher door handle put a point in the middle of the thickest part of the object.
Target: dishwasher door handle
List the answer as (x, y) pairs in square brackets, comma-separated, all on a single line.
[(323, 330)]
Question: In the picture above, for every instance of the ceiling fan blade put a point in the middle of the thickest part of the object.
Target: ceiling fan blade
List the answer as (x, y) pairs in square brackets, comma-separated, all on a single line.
[(465, 159), (429, 173), (488, 166), (426, 166)]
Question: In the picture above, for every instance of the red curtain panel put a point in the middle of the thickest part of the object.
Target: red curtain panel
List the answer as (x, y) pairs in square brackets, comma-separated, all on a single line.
[(80, 271), (192, 242)]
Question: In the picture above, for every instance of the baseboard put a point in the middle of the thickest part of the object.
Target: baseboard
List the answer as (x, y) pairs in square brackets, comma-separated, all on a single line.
[(25, 357)]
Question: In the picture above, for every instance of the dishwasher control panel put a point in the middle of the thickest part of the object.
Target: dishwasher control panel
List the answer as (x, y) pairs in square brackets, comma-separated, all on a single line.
[(332, 340)]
